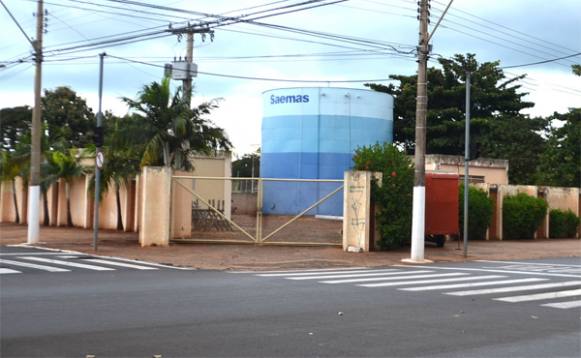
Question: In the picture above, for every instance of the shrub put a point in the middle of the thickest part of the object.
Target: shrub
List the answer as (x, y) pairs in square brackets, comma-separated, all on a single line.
[(394, 197), (563, 223), (521, 216), (479, 213)]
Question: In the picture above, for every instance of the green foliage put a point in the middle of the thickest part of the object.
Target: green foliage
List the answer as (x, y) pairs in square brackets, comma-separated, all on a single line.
[(394, 196), (479, 212), (559, 163), (492, 94), (576, 69), (563, 224), (498, 129), (522, 215), (68, 118), (14, 126), (247, 167), (176, 130), (514, 138)]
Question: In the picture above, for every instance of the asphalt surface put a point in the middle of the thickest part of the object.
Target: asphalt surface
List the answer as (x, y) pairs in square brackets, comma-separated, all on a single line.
[(133, 311)]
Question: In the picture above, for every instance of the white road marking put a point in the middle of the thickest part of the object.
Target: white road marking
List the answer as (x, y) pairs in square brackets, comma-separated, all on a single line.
[(490, 270), (471, 284), (514, 288), (34, 266), (120, 264), (323, 273), (361, 276), (60, 252), (305, 270), (526, 263), (7, 270), (564, 305), (419, 282), (67, 263), (393, 276), (29, 253), (540, 296)]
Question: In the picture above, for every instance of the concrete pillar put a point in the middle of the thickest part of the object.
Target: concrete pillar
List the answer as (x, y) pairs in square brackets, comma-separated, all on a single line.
[(155, 206), (356, 211)]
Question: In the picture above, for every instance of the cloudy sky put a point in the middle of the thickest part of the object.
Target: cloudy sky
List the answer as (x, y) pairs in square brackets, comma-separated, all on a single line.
[(381, 31)]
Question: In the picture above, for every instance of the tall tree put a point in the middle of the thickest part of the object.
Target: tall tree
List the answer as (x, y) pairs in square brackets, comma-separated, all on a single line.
[(498, 129), (68, 118), (177, 130), (560, 162), (14, 125)]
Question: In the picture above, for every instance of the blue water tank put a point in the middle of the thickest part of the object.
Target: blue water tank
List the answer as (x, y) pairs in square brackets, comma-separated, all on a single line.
[(312, 133)]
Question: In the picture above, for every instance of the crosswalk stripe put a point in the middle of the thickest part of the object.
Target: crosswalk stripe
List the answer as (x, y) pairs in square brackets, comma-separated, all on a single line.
[(514, 288), (540, 296), (7, 270), (67, 263), (471, 284), (341, 276), (303, 270), (323, 273), (418, 282), (34, 266), (393, 276), (120, 264), (564, 305)]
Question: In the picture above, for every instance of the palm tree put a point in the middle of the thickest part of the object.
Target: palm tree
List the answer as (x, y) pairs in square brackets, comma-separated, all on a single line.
[(175, 130), (65, 166), (13, 165), (124, 145)]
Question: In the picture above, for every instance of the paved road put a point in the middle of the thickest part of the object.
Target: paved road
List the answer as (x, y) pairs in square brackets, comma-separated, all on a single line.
[(116, 308)]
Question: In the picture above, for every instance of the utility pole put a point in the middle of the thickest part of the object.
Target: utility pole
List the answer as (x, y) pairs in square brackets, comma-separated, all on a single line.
[(466, 164), (419, 194), (99, 159), (185, 73), (35, 150), (189, 59)]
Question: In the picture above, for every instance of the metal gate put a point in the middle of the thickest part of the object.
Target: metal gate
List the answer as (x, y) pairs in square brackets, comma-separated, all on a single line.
[(232, 210)]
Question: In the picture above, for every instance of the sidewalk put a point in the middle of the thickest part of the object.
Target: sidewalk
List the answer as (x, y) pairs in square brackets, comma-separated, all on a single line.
[(206, 256)]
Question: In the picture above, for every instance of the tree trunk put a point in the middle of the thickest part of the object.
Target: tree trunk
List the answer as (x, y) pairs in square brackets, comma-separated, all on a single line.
[(68, 197), (15, 198), (119, 216), (166, 158), (46, 221)]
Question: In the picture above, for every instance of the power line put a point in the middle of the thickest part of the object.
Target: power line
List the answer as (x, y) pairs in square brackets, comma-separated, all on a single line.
[(541, 62), (17, 24), (258, 78), (507, 28), (484, 33)]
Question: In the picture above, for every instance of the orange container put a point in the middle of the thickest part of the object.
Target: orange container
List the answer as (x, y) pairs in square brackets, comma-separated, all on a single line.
[(442, 204)]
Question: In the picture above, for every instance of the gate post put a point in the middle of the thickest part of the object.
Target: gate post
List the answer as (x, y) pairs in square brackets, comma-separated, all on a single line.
[(155, 206), (356, 211)]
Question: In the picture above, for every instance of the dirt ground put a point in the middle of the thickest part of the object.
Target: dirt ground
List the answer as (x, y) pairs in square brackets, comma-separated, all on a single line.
[(304, 229), (223, 256)]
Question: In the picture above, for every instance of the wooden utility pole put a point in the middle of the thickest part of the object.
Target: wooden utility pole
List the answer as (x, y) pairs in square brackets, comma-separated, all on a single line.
[(35, 145), (190, 61), (419, 195)]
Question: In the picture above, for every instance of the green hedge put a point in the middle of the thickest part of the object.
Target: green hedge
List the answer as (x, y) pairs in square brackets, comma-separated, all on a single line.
[(522, 215), (563, 224), (394, 197), (479, 213)]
